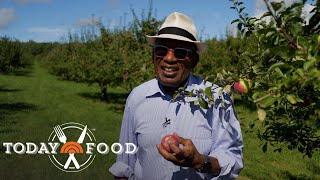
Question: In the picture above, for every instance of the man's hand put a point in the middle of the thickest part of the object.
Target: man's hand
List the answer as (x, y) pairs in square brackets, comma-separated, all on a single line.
[(188, 156)]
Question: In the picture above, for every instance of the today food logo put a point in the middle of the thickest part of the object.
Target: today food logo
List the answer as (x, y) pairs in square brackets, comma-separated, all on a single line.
[(71, 147)]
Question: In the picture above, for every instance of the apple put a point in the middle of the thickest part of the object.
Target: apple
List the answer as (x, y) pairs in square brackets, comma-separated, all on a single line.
[(241, 86), (164, 142)]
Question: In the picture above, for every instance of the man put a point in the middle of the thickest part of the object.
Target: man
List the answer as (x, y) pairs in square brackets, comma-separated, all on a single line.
[(210, 139)]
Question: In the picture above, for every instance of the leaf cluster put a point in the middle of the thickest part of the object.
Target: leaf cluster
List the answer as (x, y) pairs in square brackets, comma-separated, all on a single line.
[(283, 64)]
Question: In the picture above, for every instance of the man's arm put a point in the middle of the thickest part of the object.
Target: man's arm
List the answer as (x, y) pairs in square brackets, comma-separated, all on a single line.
[(124, 167), (227, 147), (199, 163)]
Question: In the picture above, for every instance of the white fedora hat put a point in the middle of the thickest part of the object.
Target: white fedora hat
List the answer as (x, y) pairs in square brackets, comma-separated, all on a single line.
[(178, 26)]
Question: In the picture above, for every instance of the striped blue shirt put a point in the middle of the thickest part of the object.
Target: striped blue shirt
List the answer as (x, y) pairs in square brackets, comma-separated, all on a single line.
[(150, 114)]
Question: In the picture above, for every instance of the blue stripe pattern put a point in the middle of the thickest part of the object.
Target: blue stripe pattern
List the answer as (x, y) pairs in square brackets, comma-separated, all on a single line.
[(215, 132)]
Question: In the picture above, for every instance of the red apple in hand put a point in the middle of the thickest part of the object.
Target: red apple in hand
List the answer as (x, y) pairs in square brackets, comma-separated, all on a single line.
[(164, 142), (241, 86)]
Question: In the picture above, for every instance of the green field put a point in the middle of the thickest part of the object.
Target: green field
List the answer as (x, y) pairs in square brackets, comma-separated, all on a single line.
[(32, 102)]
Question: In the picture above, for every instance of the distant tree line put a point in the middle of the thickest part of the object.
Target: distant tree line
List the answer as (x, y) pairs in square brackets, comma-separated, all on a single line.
[(15, 55), (10, 54)]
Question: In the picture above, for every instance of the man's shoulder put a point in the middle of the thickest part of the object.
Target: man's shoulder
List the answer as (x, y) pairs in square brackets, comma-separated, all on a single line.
[(141, 91), (145, 86)]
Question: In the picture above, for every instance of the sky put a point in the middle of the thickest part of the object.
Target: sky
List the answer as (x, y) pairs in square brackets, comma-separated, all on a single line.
[(51, 20)]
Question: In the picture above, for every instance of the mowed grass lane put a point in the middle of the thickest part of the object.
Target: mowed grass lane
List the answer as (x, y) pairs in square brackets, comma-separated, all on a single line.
[(32, 103)]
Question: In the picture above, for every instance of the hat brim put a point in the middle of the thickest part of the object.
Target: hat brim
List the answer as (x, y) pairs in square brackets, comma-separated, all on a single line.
[(200, 45)]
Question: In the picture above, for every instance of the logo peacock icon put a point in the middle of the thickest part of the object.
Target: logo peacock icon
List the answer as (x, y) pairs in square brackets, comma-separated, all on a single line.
[(71, 147)]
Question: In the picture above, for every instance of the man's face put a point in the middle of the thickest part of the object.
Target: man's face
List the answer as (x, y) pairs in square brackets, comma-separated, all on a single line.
[(170, 70)]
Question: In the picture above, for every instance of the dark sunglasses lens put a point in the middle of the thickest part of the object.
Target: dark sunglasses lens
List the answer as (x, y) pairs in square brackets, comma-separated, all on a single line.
[(180, 53), (161, 51)]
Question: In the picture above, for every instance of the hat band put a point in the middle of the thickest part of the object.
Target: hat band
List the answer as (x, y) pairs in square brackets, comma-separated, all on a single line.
[(177, 31)]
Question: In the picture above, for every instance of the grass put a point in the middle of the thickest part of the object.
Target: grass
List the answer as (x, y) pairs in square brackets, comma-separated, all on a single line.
[(32, 102), (272, 165)]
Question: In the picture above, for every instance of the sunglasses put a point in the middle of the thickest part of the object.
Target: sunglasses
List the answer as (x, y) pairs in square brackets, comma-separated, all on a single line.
[(180, 53)]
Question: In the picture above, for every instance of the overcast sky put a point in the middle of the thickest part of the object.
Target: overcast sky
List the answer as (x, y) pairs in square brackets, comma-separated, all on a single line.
[(51, 20)]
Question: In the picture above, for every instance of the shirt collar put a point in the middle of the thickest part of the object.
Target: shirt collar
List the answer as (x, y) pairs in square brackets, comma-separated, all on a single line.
[(156, 88)]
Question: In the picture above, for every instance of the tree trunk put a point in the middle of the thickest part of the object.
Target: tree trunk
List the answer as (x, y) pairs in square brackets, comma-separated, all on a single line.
[(103, 91)]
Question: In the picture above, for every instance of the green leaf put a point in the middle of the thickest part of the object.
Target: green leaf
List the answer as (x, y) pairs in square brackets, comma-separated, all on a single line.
[(255, 69), (241, 9), (276, 5), (279, 50), (266, 14), (240, 24), (191, 94), (298, 58), (294, 5), (224, 72), (208, 92), (309, 63), (300, 72), (267, 102), (274, 88), (278, 64), (227, 88), (278, 70), (261, 114), (211, 102), (258, 95), (220, 92), (203, 103), (222, 103), (236, 20), (175, 96), (270, 33), (291, 98), (264, 100)]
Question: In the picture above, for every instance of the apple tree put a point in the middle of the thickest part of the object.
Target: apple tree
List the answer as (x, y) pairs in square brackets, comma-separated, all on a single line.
[(11, 57), (281, 61)]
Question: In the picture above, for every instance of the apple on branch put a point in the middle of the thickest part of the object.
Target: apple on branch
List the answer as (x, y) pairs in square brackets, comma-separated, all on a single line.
[(241, 86)]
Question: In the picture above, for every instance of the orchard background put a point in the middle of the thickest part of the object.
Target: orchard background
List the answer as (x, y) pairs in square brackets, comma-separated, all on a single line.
[(271, 70)]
